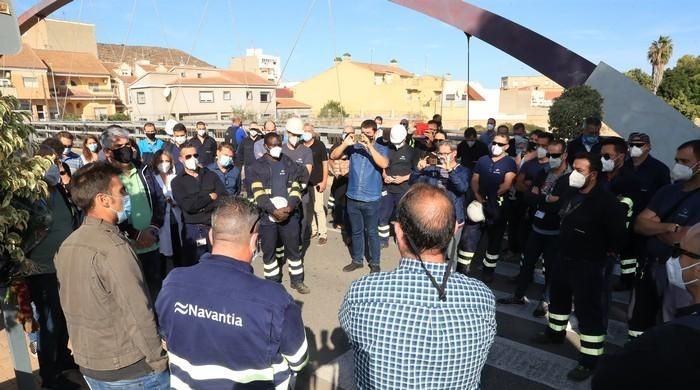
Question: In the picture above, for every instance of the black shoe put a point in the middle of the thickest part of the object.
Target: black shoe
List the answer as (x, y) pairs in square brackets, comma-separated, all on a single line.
[(374, 268), (351, 267), (545, 338), (512, 300), (301, 288), (541, 310), (62, 383), (622, 286), (514, 279), (487, 276), (579, 374)]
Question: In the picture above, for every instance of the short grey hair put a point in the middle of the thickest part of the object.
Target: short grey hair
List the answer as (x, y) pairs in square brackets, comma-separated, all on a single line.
[(110, 134), (452, 146), (233, 219)]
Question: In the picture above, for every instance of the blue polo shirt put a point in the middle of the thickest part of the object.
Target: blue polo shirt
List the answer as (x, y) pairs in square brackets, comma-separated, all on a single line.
[(148, 148), (230, 178), (365, 178), (492, 174)]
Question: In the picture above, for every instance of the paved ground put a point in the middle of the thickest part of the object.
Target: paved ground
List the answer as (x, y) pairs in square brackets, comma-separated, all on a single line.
[(514, 362)]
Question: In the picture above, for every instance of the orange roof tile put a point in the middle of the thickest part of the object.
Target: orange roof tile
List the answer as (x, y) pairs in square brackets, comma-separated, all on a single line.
[(284, 93), (288, 103), (72, 62), (551, 95), (377, 68), (473, 95), (148, 67), (26, 59)]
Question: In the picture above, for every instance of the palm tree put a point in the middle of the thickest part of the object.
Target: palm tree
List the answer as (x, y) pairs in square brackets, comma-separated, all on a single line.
[(659, 54)]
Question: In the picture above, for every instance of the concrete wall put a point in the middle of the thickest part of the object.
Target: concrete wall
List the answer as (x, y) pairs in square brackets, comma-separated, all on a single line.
[(59, 35)]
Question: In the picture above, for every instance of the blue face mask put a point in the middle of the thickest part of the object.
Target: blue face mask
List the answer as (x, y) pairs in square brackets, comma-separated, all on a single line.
[(125, 212), (590, 139)]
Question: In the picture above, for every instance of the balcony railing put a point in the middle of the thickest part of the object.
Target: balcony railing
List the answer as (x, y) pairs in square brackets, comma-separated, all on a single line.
[(8, 91)]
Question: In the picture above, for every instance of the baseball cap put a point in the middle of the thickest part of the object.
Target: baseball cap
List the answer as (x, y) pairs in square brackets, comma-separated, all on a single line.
[(639, 137)]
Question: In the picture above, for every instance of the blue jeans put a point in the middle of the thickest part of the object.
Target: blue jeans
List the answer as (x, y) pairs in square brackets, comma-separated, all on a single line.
[(153, 381), (364, 220)]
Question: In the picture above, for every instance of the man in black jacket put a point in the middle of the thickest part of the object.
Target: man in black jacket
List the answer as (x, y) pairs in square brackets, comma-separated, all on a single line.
[(592, 229), (588, 141), (470, 150), (196, 190)]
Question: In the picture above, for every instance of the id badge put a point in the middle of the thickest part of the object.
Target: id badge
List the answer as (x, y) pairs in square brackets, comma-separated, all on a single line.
[(539, 214), (201, 242)]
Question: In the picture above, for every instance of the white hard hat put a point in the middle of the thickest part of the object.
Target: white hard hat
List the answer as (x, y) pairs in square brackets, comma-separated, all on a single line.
[(398, 134), (475, 211), (278, 202), (295, 126), (169, 126)]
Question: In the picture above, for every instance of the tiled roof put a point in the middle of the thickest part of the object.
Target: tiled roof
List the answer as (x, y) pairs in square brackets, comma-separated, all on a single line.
[(72, 62), (284, 93), (148, 67), (156, 55), (225, 77), (473, 95), (26, 59), (551, 95), (382, 69), (288, 103), (127, 79)]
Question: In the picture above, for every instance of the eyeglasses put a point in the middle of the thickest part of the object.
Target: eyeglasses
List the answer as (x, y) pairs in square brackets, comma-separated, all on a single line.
[(678, 251), (498, 143), (554, 155), (638, 144), (189, 156)]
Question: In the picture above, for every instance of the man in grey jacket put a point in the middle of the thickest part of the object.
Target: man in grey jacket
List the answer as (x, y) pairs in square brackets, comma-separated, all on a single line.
[(110, 319)]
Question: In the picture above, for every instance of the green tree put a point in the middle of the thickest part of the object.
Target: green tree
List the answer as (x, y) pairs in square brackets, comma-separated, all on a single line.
[(332, 109), (21, 176), (642, 78), (681, 86), (569, 110), (119, 117), (659, 54)]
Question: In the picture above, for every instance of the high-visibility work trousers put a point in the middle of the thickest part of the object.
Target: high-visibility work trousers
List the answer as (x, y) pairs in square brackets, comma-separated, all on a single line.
[(585, 282), (286, 233)]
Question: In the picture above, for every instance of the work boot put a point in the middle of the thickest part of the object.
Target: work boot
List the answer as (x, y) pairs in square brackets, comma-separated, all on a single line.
[(301, 288), (322, 241), (374, 268), (541, 310), (512, 300), (486, 276), (351, 267), (579, 374), (546, 338)]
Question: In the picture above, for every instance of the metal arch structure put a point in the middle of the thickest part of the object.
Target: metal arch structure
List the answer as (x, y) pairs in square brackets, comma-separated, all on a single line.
[(39, 11)]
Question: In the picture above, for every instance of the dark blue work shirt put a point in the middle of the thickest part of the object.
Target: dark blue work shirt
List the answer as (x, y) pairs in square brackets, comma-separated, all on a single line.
[(533, 169), (492, 174), (651, 174), (687, 213), (230, 178)]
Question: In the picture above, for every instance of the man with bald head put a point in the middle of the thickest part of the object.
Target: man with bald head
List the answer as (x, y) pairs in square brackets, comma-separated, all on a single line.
[(667, 356), (403, 336), (206, 309)]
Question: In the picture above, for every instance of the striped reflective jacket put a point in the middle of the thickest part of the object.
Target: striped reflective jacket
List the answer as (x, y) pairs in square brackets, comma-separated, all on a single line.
[(275, 178), (225, 328)]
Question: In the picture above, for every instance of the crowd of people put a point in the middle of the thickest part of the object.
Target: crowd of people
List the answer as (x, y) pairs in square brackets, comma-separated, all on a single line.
[(152, 240)]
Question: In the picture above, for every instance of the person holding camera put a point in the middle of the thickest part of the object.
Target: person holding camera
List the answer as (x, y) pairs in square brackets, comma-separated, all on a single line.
[(367, 160)]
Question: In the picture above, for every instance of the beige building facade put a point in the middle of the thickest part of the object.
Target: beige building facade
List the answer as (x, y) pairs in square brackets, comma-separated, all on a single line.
[(264, 65), (528, 97), (50, 34)]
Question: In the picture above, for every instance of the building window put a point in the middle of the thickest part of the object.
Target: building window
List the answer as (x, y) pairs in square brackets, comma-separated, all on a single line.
[(264, 97), (227, 95), (30, 82), (206, 96), (249, 95), (450, 96), (125, 73), (182, 74), (141, 97), (199, 75), (93, 87)]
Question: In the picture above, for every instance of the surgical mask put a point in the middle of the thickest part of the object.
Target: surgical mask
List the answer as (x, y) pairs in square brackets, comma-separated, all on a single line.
[(489, 127), (608, 165), (202, 132), (590, 139), (225, 160), (636, 151), (191, 163), (306, 137), (66, 150), (52, 176), (151, 136), (164, 167), (398, 146), (541, 152), (123, 155), (675, 272), (276, 151), (496, 150), (92, 147), (471, 143), (554, 163), (681, 172), (125, 212), (180, 139), (577, 179)]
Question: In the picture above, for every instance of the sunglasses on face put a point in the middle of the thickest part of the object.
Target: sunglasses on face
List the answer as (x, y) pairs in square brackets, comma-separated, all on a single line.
[(189, 156), (498, 143), (607, 156), (554, 155), (639, 145), (678, 251)]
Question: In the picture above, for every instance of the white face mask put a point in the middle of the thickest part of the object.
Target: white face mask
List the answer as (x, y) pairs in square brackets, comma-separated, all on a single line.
[(681, 172), (471, 143), (636, 151), (554, 163), (276, 152), (496, 150), (489, 127), (191, 163), (675, 272), (577, 179), (306, 137), (541, 152), (66, 150), (180, 139), (202, 132), (92, 148), (398, 146), (608, 165), (225, 160), (164, 167)]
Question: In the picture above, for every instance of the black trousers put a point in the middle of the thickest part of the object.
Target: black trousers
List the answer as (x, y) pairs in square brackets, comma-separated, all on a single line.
[(494, 231), (337, 200), (586, 283), (288, 233), (518, 224), (151, 266), (537, 245)]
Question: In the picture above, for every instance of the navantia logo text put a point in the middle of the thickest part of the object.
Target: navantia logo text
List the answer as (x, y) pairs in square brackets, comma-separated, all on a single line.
[(189, 309)]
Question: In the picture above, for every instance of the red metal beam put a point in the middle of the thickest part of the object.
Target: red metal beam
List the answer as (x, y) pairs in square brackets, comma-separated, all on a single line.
[(39, 11), (551, 59)]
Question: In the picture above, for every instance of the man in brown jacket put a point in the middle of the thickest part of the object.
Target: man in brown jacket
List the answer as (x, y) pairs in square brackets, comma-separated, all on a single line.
[(109, 314)]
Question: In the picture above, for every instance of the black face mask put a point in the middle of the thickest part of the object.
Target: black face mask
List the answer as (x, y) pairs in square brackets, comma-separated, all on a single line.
[(123, 155), (151, 136)]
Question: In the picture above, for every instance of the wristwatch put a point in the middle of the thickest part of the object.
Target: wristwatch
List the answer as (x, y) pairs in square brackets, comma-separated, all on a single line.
[(676, 228)]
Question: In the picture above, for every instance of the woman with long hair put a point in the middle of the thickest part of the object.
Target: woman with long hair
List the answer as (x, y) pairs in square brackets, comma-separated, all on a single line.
[(163, 168), (91, 149)]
